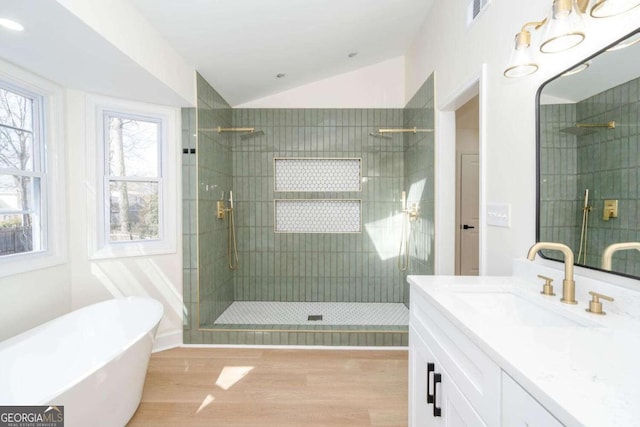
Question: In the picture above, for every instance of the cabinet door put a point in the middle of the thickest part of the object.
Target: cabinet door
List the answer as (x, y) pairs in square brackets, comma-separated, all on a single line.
[(456, 409), (520, 409), (420, 411), (428, 377)]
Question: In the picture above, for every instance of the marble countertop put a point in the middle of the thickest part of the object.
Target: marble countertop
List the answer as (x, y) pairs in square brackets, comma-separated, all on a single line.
[(584, 374)]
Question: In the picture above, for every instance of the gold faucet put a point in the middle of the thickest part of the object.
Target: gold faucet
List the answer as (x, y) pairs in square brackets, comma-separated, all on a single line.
[(568, 284), (611, 249)]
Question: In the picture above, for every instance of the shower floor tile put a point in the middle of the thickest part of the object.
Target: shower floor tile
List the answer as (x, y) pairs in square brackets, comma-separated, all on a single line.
[(297, 313)]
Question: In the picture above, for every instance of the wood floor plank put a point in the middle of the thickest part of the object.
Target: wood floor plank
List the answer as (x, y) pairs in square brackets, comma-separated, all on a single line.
[(274, 387)]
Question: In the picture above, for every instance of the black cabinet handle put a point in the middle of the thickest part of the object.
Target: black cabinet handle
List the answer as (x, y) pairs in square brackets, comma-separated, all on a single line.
[(437, 378), (467, 227), (430, 368)]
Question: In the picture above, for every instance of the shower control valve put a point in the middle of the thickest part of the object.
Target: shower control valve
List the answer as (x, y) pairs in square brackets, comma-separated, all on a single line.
[(221, 209), (413, 211)]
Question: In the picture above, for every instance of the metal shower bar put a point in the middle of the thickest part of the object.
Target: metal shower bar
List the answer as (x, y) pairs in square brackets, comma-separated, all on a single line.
[(412, 130), (608, 125), (221, 129)]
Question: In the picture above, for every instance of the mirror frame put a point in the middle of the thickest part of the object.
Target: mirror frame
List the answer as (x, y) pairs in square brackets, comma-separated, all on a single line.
[(539, 147)]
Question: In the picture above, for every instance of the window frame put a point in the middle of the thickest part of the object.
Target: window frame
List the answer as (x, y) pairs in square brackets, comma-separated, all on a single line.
[(168, 118), (108, 178), (49, 159)]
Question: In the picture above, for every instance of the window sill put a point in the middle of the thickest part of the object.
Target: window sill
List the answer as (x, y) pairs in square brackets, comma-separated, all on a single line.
[(133, 249), (11, 265)]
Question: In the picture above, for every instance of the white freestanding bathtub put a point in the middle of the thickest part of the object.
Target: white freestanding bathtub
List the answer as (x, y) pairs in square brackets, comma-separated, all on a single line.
[(93, 361)]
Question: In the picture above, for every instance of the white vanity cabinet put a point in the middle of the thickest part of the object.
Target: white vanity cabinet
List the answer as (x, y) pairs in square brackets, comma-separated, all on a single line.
[(435, 400), (468, 387), (520, 409), (469, 390)]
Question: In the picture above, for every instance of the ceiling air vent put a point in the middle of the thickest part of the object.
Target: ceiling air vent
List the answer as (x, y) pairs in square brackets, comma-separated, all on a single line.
[(476, 8)]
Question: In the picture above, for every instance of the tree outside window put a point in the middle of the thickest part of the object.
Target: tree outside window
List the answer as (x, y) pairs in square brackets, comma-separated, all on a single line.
[(21, 172), (133, 181)]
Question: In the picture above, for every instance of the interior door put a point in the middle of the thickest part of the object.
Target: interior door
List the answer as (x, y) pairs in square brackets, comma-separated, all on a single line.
[(469, 223)]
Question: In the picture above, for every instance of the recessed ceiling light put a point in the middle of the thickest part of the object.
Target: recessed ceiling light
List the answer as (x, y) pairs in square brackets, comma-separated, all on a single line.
[(352, 54), (11, 25), (280, 75)]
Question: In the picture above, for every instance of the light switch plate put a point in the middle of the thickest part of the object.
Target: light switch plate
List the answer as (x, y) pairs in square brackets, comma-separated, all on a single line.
[(499, 214)]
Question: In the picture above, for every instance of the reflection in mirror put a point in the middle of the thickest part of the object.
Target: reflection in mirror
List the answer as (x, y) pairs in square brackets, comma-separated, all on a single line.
[(589, 159)]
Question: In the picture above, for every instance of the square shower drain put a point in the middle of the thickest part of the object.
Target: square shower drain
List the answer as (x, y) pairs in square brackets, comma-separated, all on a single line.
[(314, 317)]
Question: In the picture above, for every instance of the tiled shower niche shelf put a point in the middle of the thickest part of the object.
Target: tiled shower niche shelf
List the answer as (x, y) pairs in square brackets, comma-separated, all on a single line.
[(317, 174), (317, 216)]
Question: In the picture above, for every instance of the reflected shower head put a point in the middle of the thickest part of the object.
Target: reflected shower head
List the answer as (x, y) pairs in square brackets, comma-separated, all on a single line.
[(576, 131), (379, 135), (581, 129), (250, 135)]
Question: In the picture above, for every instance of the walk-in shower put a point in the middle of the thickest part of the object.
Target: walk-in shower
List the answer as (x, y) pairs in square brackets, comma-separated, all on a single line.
[(315, 218)]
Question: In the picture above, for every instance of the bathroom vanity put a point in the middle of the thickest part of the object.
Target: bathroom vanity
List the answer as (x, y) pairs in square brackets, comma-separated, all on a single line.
[(493, 351)]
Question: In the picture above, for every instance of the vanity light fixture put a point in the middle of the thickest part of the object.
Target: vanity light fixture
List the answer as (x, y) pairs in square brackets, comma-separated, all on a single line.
[(521, 62), (608, 8), (564, 29), (10, 24)]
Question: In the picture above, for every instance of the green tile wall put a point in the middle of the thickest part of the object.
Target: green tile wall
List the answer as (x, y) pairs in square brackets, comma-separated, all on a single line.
[(317, 267), (606, 162), (561, 217), (189, 219), (609, 165), (419, 167), (214, 179)]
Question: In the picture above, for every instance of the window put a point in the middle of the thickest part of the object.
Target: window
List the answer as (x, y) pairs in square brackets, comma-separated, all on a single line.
[(33, 231), (133, 177), (137, 210), (22, 172)]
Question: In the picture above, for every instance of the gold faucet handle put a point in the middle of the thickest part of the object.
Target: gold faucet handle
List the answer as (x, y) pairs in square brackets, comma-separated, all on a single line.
[(595, 306), (547, 288)]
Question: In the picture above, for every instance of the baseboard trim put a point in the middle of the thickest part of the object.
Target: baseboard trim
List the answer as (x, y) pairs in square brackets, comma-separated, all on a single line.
[(167, 341), (298, 347)]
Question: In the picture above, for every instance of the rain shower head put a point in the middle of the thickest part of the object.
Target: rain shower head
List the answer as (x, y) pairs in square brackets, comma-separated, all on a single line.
[(581, 129)]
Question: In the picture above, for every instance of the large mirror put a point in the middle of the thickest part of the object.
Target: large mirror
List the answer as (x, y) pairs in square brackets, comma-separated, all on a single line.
[(589, 160)]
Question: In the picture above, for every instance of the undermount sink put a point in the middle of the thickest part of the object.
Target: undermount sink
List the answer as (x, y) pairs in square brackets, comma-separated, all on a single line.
[(514, 310)]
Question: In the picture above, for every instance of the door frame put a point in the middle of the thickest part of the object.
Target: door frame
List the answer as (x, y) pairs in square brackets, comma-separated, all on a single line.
[(445, 172)]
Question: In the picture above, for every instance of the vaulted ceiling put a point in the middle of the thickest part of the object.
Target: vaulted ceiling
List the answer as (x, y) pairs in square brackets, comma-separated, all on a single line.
[(239, 46)]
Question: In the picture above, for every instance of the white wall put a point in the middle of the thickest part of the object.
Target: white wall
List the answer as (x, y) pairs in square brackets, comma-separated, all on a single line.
[(457, 54), (119, 22), (379, 85), (94, 280), (29, 299), (112, 31)]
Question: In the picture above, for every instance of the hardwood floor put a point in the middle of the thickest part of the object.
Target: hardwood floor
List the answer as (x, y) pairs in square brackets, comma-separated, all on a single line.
[(273, 387)]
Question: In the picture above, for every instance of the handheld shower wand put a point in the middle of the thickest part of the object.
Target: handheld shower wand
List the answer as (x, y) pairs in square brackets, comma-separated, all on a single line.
[(232, 246), (222, 213), (582, 250), (403, 253)]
